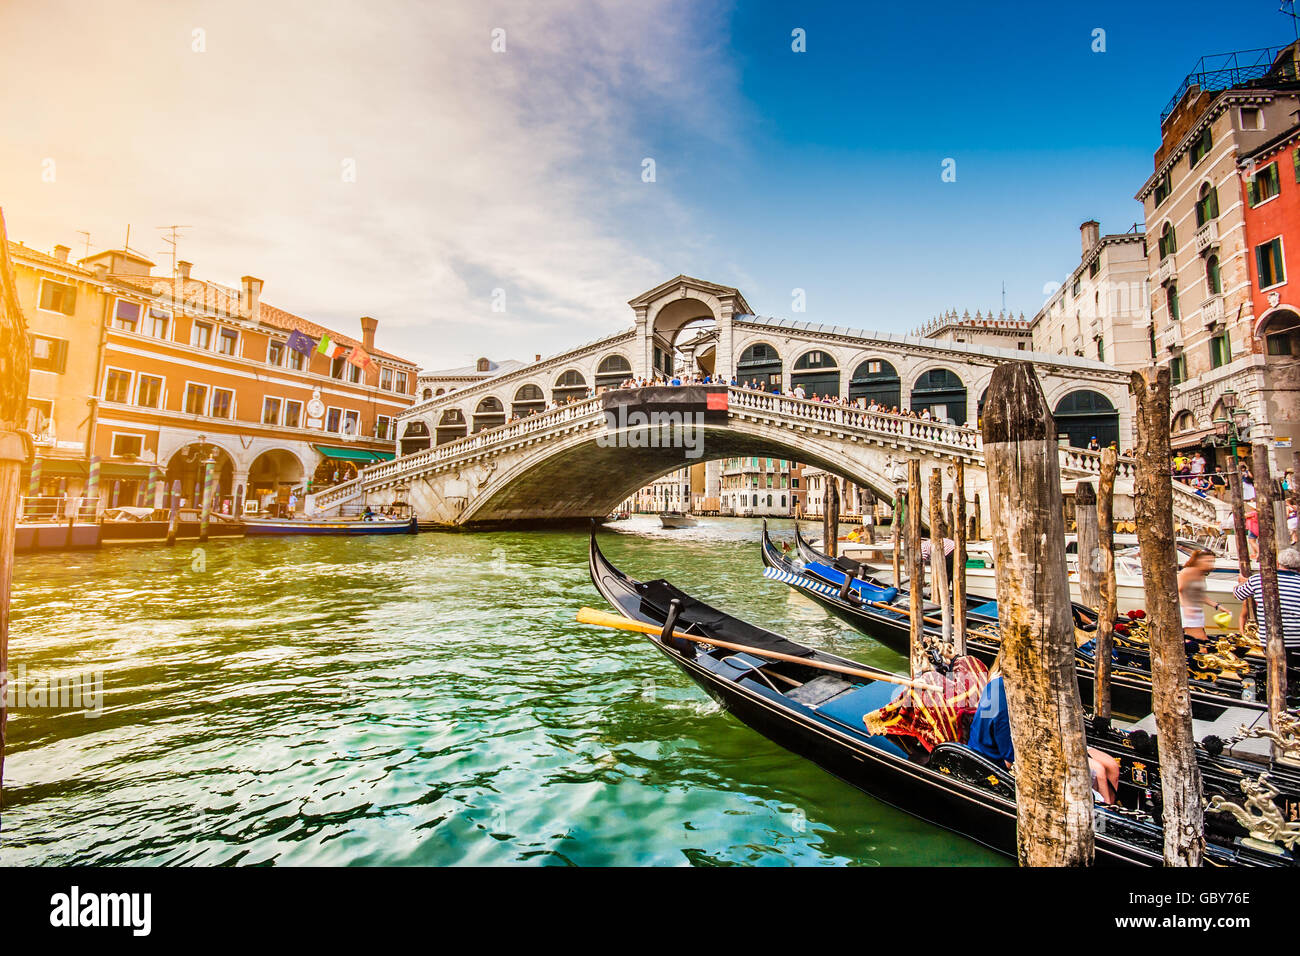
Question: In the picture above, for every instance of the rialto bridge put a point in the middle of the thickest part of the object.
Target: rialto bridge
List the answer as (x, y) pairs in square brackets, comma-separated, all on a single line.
[(536, 442)]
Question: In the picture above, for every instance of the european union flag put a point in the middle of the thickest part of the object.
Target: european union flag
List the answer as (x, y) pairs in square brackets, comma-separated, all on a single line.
[(301, 343)]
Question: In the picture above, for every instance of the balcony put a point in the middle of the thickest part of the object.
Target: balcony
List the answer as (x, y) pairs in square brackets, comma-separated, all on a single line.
[(1212, 310), (1165, 271), (1207, 236), (1171, 339)]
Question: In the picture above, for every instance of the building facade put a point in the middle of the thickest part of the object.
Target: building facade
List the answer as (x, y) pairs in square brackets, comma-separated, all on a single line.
[(151, 377), (1200, 259), (754, 487)]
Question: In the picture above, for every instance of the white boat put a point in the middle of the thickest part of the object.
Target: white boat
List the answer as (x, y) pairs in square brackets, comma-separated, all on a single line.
[(677, 519)]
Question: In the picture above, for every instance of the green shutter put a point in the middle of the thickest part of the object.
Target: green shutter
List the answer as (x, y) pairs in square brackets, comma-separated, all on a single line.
[(1295, 161)]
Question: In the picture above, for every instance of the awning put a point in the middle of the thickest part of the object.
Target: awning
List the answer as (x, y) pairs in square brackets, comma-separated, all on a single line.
[(353, 454), (1192, 438)]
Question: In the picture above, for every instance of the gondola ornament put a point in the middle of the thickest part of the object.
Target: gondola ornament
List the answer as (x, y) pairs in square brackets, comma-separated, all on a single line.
[(1286, 737), (1269, 830)]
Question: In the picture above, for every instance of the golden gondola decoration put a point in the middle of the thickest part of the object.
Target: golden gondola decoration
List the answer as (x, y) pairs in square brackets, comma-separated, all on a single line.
[(1269, 830)]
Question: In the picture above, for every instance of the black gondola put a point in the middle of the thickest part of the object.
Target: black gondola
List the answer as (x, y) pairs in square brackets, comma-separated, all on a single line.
[(823, 579), (818, 715)]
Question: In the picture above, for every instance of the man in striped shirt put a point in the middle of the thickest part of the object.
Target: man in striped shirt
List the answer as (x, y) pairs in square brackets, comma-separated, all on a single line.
[(1288, 586)]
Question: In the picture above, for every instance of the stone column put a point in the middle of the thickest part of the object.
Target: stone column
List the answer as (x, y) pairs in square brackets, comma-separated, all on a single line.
[(724, 362)]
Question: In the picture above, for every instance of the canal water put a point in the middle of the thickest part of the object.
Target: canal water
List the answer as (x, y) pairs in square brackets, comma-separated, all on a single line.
[(414, 700)]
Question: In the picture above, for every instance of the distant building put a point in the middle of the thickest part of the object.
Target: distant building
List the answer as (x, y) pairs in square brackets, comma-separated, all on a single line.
[(1217, 251), (754, 487), (152, 376), (1003, 331), (440, 382)]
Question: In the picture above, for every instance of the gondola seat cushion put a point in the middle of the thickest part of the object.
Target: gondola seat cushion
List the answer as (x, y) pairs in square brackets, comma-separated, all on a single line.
[(865, 590)]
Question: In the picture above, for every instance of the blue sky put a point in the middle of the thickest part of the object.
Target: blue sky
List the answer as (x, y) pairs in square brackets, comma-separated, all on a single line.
[(520, 169)]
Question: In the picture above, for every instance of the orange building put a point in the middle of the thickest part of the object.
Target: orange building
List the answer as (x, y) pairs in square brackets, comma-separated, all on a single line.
[(154, 376)]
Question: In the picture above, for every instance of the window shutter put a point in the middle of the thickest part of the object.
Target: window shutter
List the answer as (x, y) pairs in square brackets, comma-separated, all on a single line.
[(1252, 192), (1295, 161), (60, 359)]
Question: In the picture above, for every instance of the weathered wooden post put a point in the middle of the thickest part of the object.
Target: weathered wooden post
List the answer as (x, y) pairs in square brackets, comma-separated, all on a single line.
[(205, 516), (1239, 519), (947, 516), (959, 560), (831, 516), (1109, 599), (1153, 506), (978, 534), (15, 449), (1053, 792), (868, 499), (1085, 522), (938, 567), (915, 573), (1271, 611), (173, 519), (896, 527)]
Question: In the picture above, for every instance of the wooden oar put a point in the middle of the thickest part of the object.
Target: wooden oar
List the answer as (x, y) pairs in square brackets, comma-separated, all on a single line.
[(589, 615)]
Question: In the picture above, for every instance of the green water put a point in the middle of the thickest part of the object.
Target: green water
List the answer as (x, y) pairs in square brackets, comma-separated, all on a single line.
[(414, 700)]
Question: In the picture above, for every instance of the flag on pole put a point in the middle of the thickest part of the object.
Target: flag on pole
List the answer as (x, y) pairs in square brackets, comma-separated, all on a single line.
[(358, 357), (301, 343), (329, 348), (323, 346)]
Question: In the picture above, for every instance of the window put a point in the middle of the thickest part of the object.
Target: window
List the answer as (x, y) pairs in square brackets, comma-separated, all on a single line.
[(1295, 162), (386, 379), (162, 323), (1207, 205), (1213, 278), (196, 399), (336, 367), (292, 414), (1220, 350), (275, 353), (354, 373), (351, 423), (333, 418), (127, 446), (1020, 346), (1200, 149), (1094, 267), (270, 411), (399, 379), (384, 427), (1101, 350), (58, 297), (1168, 241), (1162, 190), (1252, 118), (297, 361), (228, 342), (48, 354), (148, 392), (126, 315), (1264, 186), (223, 400), (1177, 370), (1268, 259), (117, 386), (201, 335), (1171, 302)]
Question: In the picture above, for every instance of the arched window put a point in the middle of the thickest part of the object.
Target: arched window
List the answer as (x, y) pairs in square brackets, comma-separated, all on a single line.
[(760, 362), (529, 399), (1184, 422), (489, 414), (451, 426), (569, 385), (441, 391), (1207, 205), (482, 365), (427, 394), (876, 380), (943, 393), (818, 373), (612, 371), (1213, 279), (415, 437), (1168, 241), (1084, 415)]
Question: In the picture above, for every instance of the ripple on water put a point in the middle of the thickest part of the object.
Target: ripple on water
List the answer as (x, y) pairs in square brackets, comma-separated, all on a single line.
[(423, 700)]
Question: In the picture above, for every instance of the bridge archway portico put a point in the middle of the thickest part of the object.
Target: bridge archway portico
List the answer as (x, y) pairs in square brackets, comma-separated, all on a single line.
[(662, 313)]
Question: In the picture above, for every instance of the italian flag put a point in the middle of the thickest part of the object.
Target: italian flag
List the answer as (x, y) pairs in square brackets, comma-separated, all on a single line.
[(328, 348)]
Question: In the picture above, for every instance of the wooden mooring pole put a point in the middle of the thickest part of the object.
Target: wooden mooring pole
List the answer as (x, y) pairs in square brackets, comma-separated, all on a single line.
[(15, 449), (1108, 608), (1153, 507), (1239, 519), (1053, 792), (1271, 611), (938, 564), (831, 516), (1085, 523), (915, 572), (959, 559), (896, 522)]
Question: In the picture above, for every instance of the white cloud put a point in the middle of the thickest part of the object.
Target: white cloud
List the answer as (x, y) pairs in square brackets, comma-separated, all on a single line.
[(474, 170)]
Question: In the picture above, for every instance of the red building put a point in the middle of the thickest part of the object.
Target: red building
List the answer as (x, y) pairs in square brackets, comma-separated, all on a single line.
[(1270, 176)]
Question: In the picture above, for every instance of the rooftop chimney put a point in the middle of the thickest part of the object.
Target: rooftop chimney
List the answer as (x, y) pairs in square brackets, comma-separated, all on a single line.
[(368, 326), (537, 357), (183, 270), (1089, 234), (61, 253), (252, 296)]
